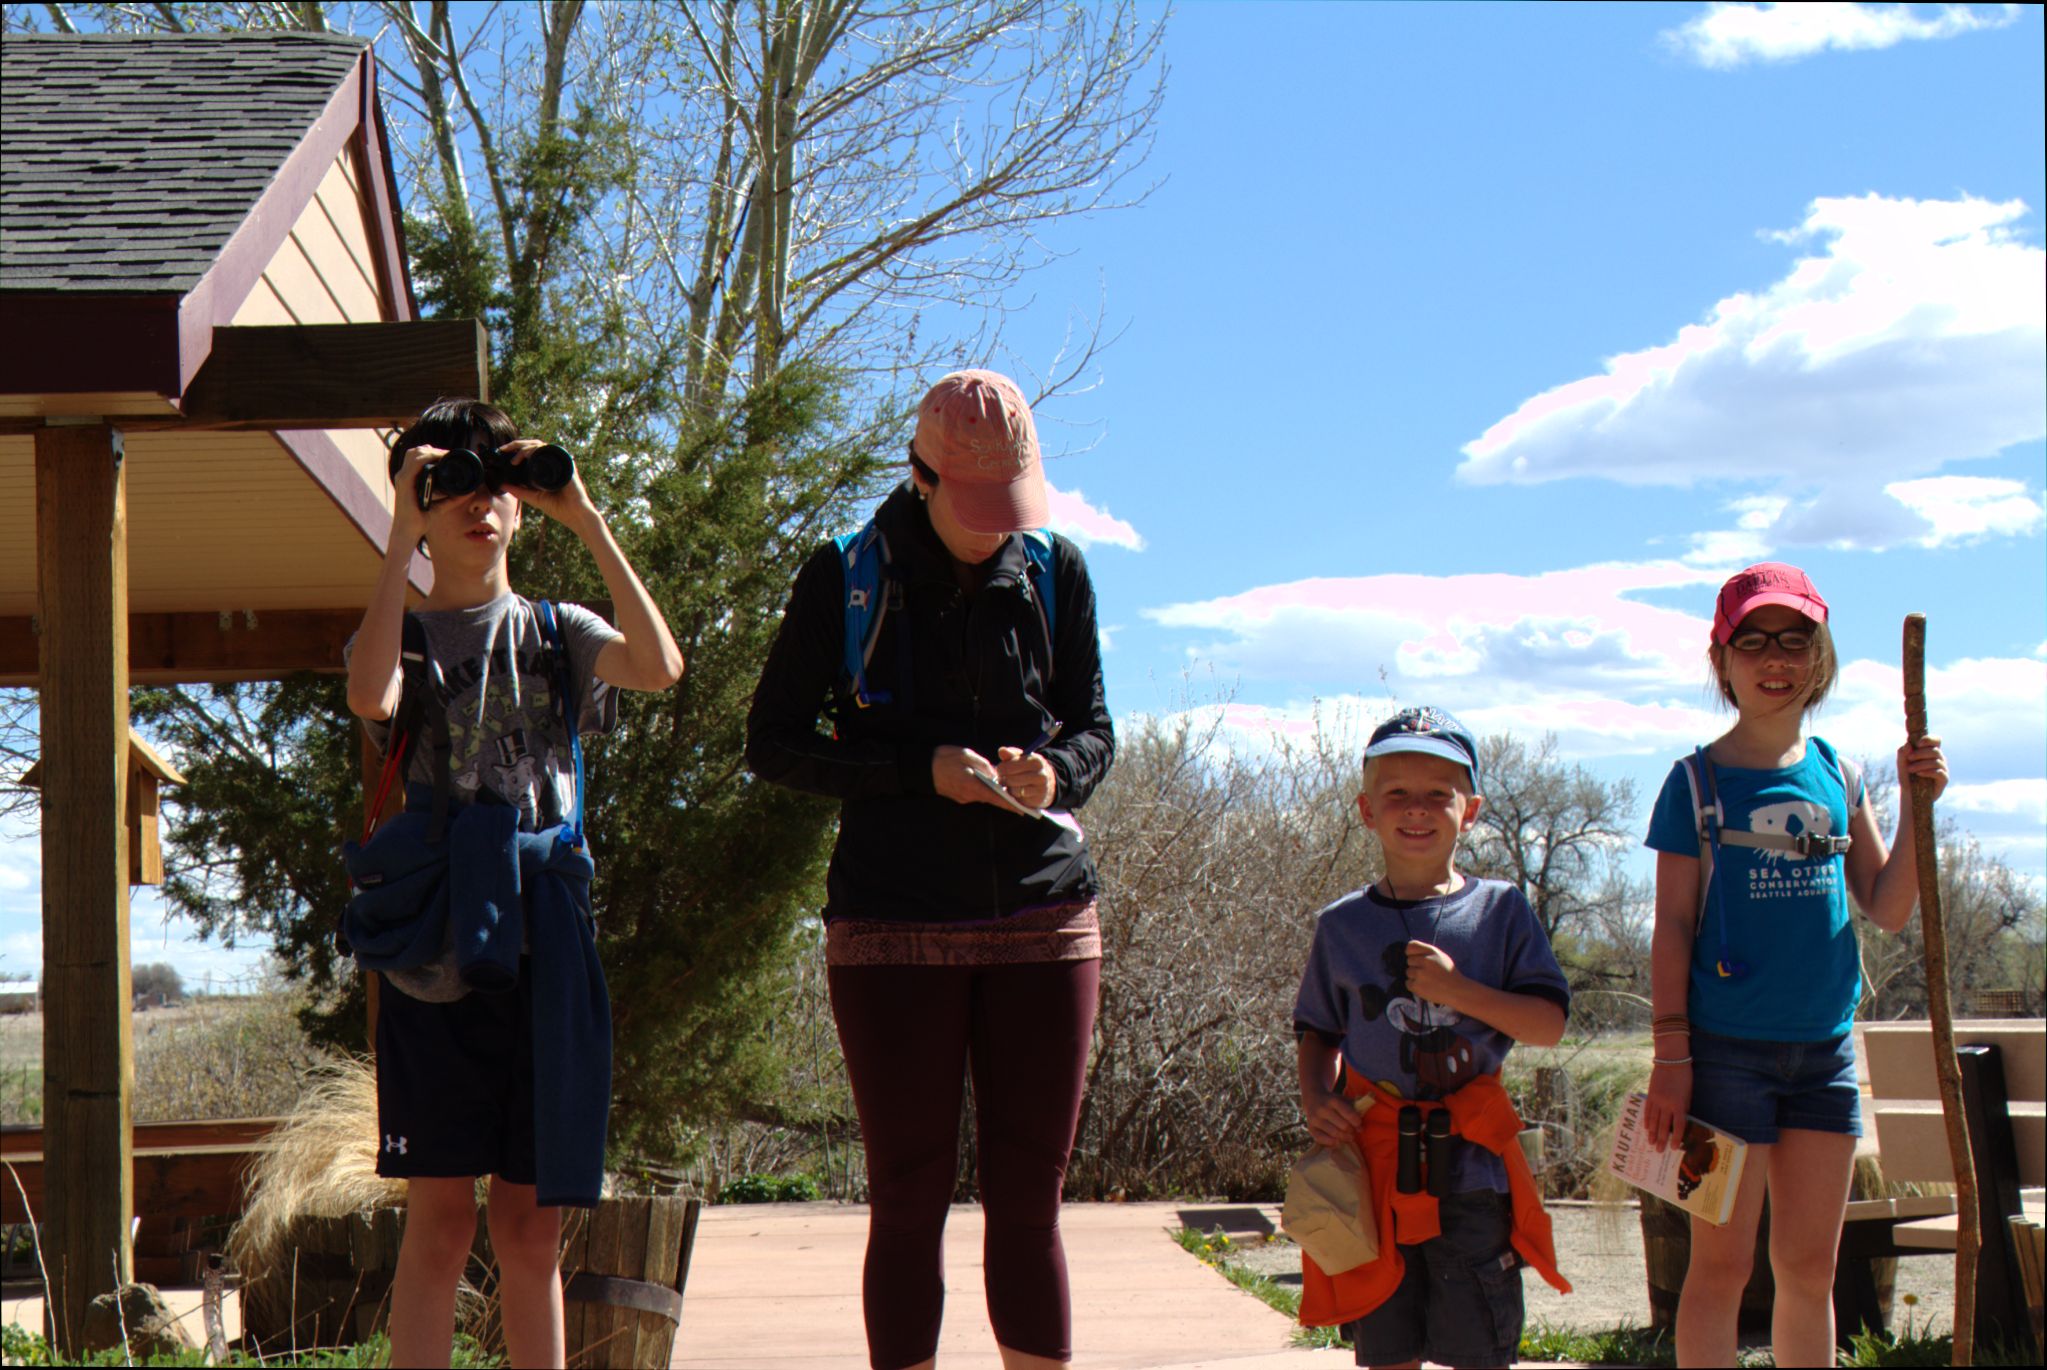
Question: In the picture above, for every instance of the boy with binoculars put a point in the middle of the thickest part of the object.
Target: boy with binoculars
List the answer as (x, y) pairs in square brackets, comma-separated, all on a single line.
[(472, 1078), (1416, 988)]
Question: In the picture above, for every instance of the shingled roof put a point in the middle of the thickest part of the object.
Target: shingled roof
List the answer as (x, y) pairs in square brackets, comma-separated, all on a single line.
[(130, 160)]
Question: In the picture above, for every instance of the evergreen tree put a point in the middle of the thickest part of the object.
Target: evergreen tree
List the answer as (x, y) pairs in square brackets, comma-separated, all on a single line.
[(702, 874)]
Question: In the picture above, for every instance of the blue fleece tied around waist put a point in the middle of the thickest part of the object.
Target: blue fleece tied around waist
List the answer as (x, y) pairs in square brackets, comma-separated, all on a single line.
[(502, 888)]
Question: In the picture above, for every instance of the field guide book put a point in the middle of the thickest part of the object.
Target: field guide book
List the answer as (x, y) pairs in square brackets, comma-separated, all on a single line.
[(1701, 1176)]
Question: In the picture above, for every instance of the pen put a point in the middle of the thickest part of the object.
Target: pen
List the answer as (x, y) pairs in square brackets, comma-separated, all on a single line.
[(1046, 736)]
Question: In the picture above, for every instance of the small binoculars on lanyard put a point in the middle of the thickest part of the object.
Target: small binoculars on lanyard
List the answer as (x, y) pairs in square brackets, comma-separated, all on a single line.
[(459, 472), (1410, 1168)]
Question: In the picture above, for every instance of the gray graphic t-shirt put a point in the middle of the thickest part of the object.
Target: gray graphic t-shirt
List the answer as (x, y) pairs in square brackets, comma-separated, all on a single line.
[(1354, 993), (508, 743)]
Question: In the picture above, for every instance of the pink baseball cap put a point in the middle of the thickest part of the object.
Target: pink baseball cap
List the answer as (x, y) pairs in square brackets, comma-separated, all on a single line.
[(1768, 582), (974, 429)]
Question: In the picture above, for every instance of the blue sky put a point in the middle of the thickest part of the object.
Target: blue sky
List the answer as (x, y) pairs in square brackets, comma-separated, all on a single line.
[(1362, 438), (1364, 419)]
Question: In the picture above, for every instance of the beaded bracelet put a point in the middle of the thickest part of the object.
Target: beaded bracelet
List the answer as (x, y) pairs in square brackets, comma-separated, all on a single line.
[(1672, 1061)]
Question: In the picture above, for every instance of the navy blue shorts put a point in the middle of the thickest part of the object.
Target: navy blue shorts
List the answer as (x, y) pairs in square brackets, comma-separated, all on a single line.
[(1755, 1089), (455, 1084), (1459, 1300)]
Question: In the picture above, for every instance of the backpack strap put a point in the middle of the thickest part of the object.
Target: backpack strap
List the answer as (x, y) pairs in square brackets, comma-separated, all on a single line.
[(871, 589), (1851, 783), (562, 677), (1038, 547), (1706, 810), (417, 702), (1704, 820)]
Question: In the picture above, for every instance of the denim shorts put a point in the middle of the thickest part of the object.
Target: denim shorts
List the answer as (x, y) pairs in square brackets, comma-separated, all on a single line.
[(1754, 1089), (1459, 1300)]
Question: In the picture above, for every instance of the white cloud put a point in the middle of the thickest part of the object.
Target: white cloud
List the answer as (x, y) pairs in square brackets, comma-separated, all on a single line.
[(1576, 652), (1915, 335), (1990, 713), (1746, 543), (1728, 35), (1968, 508), (2023, 798), (1580, 653), (1087, 525)]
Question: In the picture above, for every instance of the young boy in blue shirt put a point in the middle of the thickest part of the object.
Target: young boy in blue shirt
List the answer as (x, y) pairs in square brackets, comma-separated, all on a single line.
[(1415, 989), (456, 1070)]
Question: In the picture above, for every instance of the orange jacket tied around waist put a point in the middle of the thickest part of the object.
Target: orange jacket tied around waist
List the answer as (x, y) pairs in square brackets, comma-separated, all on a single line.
[(1482, 1114)]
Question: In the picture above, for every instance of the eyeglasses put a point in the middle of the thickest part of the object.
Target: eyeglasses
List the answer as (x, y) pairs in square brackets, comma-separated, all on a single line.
[(1791, 641)]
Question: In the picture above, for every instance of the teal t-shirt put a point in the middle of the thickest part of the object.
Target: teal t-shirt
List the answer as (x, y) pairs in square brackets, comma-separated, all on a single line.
[(1786, 915)]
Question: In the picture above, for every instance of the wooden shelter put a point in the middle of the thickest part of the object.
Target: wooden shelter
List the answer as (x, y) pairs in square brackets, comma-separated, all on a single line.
[(207, 318)]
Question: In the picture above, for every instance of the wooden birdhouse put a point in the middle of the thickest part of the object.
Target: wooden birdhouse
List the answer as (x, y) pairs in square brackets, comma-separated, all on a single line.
[(147, 773)]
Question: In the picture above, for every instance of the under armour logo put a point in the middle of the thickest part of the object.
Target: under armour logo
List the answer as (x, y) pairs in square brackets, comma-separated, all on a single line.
[(394, 1145), (857, 599)]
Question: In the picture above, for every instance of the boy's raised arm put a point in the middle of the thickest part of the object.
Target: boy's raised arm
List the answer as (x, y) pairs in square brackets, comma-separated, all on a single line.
[(1529, 1018), (645, 656), (374, 683)]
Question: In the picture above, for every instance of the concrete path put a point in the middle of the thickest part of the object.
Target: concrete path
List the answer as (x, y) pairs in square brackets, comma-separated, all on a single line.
[(777, 1286)]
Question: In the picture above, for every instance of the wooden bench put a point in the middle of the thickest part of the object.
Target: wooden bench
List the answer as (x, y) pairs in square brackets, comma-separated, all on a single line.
[(2004, 1097), (184, 1174)]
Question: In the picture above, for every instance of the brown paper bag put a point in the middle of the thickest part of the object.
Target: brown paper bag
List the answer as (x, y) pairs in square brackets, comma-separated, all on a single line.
[(1328, 1208)]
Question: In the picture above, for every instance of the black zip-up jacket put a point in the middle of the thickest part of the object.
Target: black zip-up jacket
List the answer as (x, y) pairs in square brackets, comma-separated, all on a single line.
[(978, 675)]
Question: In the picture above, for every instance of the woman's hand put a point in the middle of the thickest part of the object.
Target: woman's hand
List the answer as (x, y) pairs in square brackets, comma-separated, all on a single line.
[(1331, 1120), (1670, 1098), (952, 774), (1028, 776)]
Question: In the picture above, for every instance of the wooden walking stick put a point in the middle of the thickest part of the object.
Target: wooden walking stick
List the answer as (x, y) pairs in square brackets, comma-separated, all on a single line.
[(1968, 1236)]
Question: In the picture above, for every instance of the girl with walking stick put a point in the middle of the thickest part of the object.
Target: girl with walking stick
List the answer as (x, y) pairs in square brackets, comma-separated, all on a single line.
[(1760, 838)]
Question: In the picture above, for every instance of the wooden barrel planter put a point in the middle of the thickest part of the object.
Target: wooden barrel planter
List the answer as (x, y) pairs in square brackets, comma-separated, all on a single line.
[(331, 1287), (624, 1265), (1667, 1253)]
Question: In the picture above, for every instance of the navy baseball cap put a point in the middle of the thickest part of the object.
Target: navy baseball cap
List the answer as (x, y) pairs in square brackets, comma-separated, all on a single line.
[(1432, 732)]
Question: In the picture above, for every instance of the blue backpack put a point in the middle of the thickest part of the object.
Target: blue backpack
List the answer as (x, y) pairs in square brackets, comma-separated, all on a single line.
[(873, 588)]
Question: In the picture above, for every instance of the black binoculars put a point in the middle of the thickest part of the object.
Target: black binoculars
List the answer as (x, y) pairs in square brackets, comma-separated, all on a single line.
[(1414, 1160), (459, 472)]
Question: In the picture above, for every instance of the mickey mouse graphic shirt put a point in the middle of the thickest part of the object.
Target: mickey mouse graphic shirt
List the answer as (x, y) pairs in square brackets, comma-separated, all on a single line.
[(1782, 917), (1354, 994)]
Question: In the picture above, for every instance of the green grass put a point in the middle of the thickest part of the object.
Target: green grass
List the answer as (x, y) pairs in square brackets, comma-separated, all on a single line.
[(1624, 1345), (19, 1346), (1213, 1249)]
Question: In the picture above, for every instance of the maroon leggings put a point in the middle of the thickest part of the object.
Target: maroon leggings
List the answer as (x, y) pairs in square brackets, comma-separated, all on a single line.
[(910, 1034)]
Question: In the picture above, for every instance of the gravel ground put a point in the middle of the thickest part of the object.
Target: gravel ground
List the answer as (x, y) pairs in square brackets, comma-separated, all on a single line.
[(1600, 1250)]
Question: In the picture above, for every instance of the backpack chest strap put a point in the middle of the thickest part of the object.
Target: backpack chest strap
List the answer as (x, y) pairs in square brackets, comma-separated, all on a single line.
[(1806, 844)]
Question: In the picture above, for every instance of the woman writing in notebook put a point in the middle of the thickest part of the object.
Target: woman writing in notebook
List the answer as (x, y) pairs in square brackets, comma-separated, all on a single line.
[(956, 653)]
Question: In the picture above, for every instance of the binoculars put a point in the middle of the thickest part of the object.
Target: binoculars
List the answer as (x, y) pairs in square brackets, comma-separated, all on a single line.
[(1423, 1158), (461, 471)]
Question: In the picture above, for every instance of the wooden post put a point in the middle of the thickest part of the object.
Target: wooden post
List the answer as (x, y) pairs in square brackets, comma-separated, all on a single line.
[(88, 1051), (1947, 1069)]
